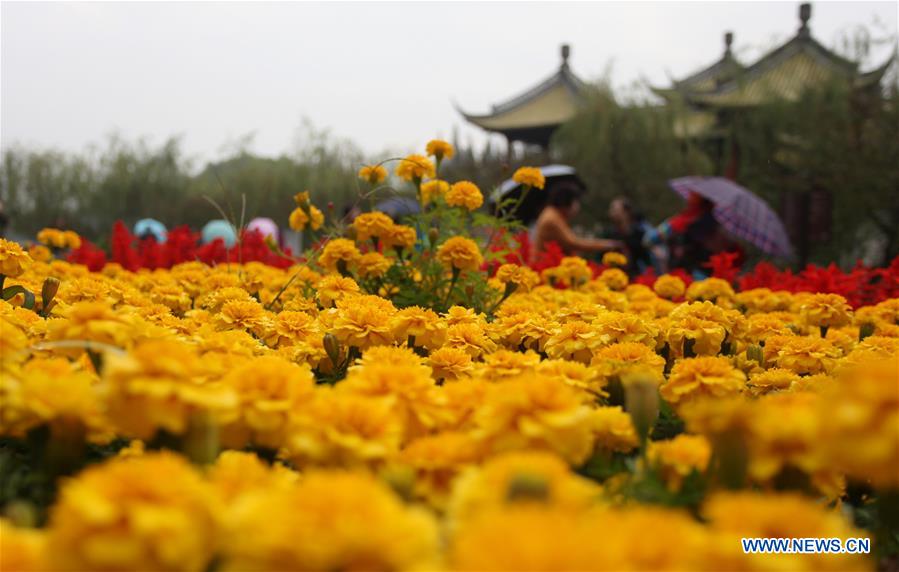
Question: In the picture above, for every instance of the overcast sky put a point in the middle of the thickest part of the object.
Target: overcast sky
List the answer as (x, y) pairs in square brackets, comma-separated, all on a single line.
[(383, 75)]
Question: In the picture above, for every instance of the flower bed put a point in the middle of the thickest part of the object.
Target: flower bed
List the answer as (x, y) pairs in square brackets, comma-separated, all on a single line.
[(388, 405)]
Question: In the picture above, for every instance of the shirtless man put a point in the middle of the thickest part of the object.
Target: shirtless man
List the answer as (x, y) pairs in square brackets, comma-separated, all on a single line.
[(553, 225)]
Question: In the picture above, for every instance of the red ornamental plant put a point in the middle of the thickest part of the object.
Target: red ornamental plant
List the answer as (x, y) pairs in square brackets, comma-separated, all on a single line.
[(181, 245), (860, 286)]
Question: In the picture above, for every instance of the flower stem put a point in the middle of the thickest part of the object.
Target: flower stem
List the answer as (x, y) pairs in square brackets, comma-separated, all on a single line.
[(451, 286)]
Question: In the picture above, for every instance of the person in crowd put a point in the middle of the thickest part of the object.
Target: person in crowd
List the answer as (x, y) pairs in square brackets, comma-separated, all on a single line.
[(694, 236), (643, 243), (554, 224)]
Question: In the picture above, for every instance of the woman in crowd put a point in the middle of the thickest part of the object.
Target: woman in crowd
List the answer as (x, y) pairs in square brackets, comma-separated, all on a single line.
[(554, 224), (644, 245), (695, 235)]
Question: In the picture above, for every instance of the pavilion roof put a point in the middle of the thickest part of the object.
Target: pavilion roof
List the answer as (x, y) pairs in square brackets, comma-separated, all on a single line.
[(532, 115), (782, 73), (708, 78)]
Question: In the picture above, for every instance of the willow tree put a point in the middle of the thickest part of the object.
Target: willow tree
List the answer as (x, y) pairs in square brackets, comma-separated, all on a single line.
[(627, 148)]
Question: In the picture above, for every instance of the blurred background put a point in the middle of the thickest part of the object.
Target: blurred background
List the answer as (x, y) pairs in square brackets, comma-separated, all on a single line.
[(114, 111)]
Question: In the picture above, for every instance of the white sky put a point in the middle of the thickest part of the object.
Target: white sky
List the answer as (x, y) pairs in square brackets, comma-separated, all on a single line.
[(383, 75)]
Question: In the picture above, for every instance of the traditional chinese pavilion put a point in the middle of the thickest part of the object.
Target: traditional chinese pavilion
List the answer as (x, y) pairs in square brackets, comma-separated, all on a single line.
[(534, 115), (708, 97), (705, 103)]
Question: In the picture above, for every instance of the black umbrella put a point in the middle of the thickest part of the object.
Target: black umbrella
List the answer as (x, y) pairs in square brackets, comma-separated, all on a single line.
[(535, 200)]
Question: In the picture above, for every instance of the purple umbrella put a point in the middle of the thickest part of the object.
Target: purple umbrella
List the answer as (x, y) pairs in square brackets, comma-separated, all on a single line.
[(265, 227), (740, 212)]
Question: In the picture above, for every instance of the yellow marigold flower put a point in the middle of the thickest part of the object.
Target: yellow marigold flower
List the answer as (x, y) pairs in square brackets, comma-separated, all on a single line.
[(616, 360), (373, 265), (52, 237), (461, 315), (410, 389), (414, 168), (529, 177), (614, 259), (714, 290), (399, 236), (872, 348), (235, 475), (268, 389), (433, 189), (23, 549), (159, 385), (373, 224), (763, 300), (705, 337), (536, 413), (436, 461), (702, 376), (675, 459), (348, 521), (418, 327), (826, 311), (614, 278), (574, 340), (524, 329), (152, 512), (615, 327), (774, 379), (399, 356), (440, 149), (218, 297), (801, 354), (860, 429), (299, 218), (504, 364), (613, 429), (247, 315), (886, 312), (13, 344), (775, 446), (521, 276), (736, 515), (301, 199), (373, 174), (334, 287), (450, 364), (317, 218), (93, 322), (338, 252), (362, 323), (465, 194), (172, 296), (574, 271), (290, 327), (460, 253), (40, 253), (71, 239), (575, 374), (760, 327), (55, 393), (471, 338), (345, 430), (516, 478), (13, 260), (549, 538)]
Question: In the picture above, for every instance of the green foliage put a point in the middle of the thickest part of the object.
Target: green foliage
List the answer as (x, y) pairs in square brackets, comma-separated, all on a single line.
[(626, 148), (416, 277), (88, 192), (836, 138)]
